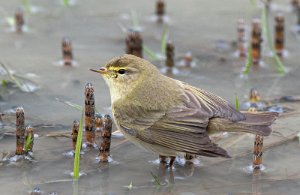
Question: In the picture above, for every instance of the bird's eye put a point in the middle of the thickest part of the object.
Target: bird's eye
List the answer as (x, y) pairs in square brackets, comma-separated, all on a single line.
[(121, 71)]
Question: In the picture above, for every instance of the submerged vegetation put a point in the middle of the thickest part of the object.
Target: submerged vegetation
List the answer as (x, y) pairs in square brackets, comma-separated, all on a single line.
[(22, 83)]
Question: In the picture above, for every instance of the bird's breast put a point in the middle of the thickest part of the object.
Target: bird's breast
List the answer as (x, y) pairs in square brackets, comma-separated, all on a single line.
[(128, 132)]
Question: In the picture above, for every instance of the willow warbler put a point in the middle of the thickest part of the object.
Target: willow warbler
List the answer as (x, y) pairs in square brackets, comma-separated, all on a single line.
[(170, 117)]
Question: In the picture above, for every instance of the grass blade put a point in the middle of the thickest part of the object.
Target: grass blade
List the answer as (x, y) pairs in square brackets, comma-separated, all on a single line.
[(76, 106), (248, 61), (156, 180), (73, 105), (236, 102), (164, 39), (280, 67), (66, 3), (151, 54), (4, 84), (265, 26), (13, 78), (77, 150), (134, 19), (253, 2), (27, 5), (28, 142)]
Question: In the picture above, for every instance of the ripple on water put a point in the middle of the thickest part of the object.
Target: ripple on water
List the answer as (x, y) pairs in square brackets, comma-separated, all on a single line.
[(71, 153), (62, 63), (71, 173), (111, 161), (249, 169), (36, 191)]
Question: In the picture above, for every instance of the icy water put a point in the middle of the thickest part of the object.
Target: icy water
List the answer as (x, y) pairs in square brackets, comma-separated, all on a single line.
[(207, 29)]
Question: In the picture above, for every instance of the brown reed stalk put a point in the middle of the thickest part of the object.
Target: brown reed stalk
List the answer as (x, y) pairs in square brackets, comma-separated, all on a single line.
[(257, 152), (134, 43), (295, 4), (241, 42), (160, 10), (89, 114), (19, 20), (20, 131), (170, 57), (279, 34), (256, 40), (98, 122), (74, 133), (106, 138), (67, 51)]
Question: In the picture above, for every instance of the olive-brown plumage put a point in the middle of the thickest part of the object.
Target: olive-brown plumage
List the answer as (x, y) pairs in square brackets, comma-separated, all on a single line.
[(168, 116)]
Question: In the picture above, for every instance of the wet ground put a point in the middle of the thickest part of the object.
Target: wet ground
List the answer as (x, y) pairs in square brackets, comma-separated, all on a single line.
[(207, 29)]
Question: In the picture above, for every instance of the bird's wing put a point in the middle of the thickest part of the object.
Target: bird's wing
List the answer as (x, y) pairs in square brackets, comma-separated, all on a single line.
[(210, 104), (182, 128)]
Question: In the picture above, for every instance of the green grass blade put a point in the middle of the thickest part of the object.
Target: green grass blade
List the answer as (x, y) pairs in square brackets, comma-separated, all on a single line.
[(236, 102), (77, 150), (134, 19), (164, 40), (265, 26), (152, 55), (253, 2), (4, 84), (280, 67), (28, 142), (156, 180), (66, 3), (248, 61), (27, 5), (266, 32), (14, 79), (73, 105)]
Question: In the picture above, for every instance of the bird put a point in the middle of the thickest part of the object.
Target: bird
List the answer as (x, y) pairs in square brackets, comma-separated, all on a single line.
[(170, 117)]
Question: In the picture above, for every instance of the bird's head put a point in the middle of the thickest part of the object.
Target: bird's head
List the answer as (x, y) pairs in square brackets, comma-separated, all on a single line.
[(123, 73)]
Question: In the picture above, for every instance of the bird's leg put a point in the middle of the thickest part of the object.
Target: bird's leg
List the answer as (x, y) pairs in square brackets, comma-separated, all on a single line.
[(162, 159), (189, 157), (172, 160), (189, 168), (171, 176), (162, 170)]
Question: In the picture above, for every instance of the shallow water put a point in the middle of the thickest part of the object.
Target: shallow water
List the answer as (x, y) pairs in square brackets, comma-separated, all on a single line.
[(96, 37)]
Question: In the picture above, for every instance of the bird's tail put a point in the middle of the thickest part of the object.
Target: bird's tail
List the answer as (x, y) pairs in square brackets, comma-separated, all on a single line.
[(256, 123)]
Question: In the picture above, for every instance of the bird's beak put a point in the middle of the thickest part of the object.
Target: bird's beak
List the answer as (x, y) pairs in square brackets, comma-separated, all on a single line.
[(102, 70)]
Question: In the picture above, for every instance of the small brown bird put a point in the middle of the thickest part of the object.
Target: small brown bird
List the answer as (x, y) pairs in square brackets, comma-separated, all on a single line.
[(170, 117)]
